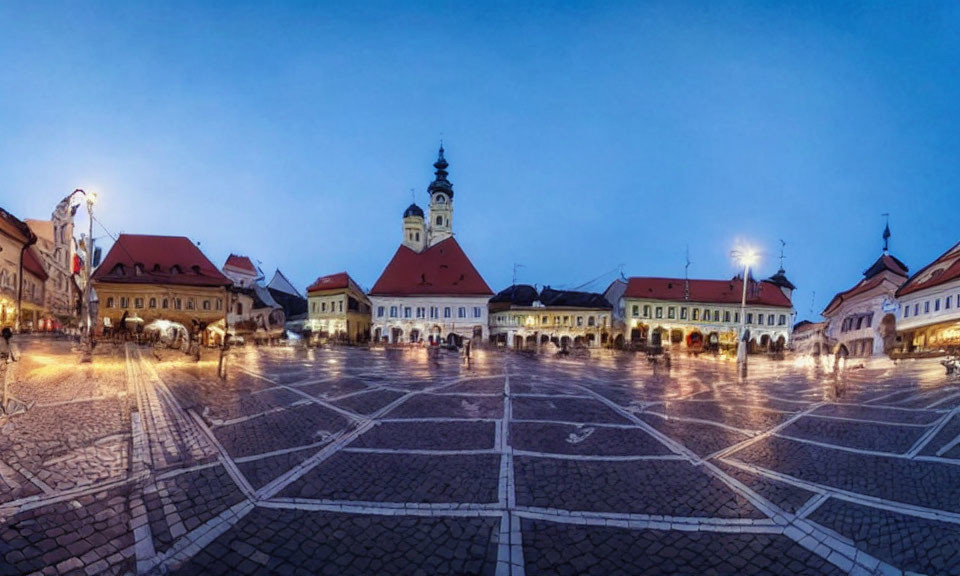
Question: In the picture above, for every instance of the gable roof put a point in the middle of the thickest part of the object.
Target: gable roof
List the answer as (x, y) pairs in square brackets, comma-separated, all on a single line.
[(886, 262), (241, 264), (707, 291), (942, 270), (293, 305), (442, 269), (157, 257), (516, 295), (338, 281), (279, 282), (865, 285)]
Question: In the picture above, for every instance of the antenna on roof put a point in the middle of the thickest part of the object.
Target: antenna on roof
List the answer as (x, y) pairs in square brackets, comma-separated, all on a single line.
[(515, 270), (686, 276), (782, 246), (622, 276)]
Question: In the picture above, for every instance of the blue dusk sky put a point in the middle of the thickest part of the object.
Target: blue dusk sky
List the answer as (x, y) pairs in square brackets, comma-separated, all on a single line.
[(581, 136)]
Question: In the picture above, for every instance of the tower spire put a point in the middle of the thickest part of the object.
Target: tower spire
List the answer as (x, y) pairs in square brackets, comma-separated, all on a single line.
[(440, 182), (886, 233)]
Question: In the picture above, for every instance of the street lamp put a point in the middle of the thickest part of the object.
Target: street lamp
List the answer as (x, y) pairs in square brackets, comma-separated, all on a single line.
[(746, 257), (87, 336)]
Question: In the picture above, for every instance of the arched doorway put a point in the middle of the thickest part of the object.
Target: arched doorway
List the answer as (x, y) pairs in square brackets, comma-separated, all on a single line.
[(544, 339), (695, 339), (395, 335), (518, 341), (564, 342), (478, 333), (414, 335), (888, 331), (591, 340), (676, 336), (531, 342), (454, 339), (579, 341), (618, 341), (765, 341)]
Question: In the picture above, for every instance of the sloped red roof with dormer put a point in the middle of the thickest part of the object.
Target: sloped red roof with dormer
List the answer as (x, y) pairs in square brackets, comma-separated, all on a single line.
[(940, 271), (241, 263), (707, 291), (442, 269), (145, 259), (338, 281)]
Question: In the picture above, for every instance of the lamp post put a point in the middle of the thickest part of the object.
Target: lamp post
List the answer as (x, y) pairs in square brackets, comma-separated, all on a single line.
[(746, 257), (87, 335)]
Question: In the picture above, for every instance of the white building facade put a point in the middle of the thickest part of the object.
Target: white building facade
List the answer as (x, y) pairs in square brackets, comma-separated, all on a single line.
[(862, 321), (430, 292), (929, 306)]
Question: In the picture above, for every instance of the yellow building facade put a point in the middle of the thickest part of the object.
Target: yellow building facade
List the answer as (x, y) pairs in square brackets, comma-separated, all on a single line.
[(338, 309)]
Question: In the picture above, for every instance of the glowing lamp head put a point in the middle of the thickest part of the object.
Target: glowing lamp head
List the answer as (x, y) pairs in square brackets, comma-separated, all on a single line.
[(746, 256)]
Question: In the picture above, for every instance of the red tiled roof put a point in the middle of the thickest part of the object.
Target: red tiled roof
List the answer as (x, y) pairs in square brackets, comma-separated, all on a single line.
[(707, 291), (864, 285), (157, 257), (940, 271), (32, 264), (338, 281), (441, 269), (240, 263)]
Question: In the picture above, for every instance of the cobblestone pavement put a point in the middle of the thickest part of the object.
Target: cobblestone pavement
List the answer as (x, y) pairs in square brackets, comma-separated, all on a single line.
[(350, 461)]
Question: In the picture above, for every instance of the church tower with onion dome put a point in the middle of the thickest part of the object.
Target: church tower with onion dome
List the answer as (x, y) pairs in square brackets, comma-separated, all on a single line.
[(440, 224)]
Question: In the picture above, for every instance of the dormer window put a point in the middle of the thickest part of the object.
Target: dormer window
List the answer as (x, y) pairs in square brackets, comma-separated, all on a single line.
[(118, 270), (156, 269), (175, 269), (138, 269), (196, 269)]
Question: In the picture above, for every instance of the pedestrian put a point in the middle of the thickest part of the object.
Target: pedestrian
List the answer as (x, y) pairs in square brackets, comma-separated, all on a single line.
[(6, 352)]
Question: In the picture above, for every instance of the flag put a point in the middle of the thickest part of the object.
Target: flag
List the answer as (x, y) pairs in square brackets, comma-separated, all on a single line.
[(77, 264)]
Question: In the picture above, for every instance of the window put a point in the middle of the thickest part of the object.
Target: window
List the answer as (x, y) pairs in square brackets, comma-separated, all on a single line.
[(447, 313), (418, 236), (206, 304), (110, 302), (592, 321), (716, 316), (936, 305), (726, 316), (783, 320), (462, 312), (736, 317), (869, 318), (659, 311), (219, 303), (636, 311), (178, 304), (191, 304), (124, 302), (759, 319), (138, 303), (313, 306), (671, 312), (916, 309), (749, 317), (926, 307), (947, 303), (165, 304), (393, 311), (379, 311), (340, 306), (696, 314), (683, 313), (906, 311), (544, 320), (580, 321), (407, 312), (323, 306), (439, 220), (421, 311), (477, 311), (434, 312), (646, 311)]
